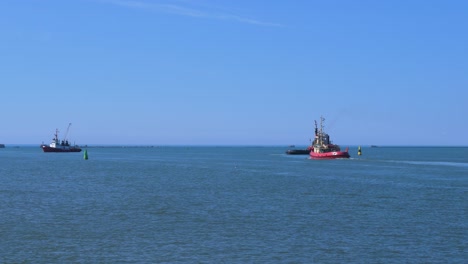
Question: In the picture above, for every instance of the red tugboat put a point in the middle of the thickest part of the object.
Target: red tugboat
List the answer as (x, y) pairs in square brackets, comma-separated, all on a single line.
[(323, 148), (60, 146)]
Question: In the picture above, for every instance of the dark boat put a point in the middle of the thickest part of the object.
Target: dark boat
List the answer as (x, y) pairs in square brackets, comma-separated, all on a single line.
[(60, 145), (322, 146), (299, 151)]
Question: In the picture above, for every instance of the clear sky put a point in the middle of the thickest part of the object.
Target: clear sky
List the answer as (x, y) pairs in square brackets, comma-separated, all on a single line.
[(234, 72)]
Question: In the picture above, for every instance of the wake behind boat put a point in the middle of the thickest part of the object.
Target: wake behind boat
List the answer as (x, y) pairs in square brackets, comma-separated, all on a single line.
[(323, 148), (60, 145)]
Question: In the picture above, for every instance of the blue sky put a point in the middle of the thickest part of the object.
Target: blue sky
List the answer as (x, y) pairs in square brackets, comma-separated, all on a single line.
[(200, 72)]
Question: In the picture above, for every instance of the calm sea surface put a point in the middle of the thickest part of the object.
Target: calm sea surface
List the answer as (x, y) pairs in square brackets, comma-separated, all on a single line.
[(233, 205)]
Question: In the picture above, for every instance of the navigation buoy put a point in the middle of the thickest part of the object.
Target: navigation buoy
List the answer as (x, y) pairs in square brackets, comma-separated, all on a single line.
[(359, 152), (85, 156)]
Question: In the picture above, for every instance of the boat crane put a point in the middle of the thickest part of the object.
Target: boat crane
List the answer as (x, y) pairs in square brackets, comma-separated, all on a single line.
[(66, 133)]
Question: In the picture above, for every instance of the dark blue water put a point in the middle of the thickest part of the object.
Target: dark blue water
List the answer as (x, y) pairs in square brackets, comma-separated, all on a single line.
[(233, 205)]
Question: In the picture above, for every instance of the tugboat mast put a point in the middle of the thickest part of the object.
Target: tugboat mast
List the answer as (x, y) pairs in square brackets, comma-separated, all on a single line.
[(321, 124), (320, 133), (56, 135)]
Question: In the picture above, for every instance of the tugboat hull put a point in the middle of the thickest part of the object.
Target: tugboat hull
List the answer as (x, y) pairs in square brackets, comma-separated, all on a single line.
[(330, 155), (49, 149)]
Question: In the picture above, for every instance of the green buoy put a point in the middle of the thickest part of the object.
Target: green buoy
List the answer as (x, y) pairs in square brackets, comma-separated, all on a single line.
[(85, 156)]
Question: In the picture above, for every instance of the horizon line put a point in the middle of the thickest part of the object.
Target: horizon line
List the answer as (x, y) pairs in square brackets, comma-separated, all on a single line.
[(230, 145)]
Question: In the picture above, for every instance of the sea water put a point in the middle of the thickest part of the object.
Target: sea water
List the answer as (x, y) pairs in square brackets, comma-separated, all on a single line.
[(233, 205)]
